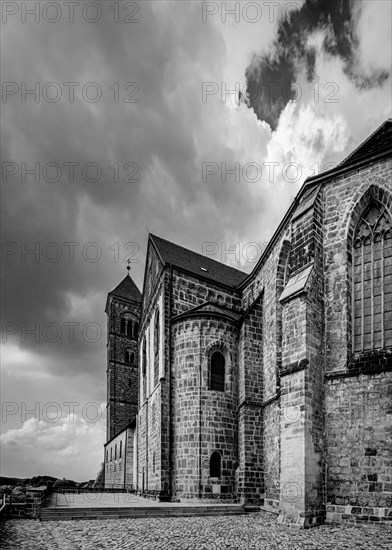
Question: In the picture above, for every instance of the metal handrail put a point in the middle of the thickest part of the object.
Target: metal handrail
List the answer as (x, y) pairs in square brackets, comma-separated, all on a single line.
[(6, 502)]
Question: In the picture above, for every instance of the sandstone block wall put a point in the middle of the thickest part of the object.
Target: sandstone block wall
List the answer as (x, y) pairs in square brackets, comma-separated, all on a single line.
[(358, 388), (250, 411), (359, 435), (271, 454), (204, 420), (122, 377), (149, 444), (119, 469)]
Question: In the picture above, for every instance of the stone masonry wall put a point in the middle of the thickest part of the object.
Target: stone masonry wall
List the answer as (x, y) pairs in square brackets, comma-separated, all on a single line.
[(271, 454), (181, 293), (268, 280), (189, 291), (204, 421), (250, 412), (151, 421), (122, 378), (359, 433), (149, 443), (114, 463), (359, 388)]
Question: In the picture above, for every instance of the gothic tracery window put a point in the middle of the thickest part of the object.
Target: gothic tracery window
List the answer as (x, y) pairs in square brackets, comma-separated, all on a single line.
[(372, 279)]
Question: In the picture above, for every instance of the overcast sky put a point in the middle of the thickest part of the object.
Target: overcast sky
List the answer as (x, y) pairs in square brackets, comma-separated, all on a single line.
[(130, 128)]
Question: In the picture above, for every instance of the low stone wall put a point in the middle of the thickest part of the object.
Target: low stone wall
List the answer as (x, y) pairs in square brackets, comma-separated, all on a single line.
[(207, 498), (358, 514), (34, 500), (77, 491), (272, 505), (30, 508), (17, 510)]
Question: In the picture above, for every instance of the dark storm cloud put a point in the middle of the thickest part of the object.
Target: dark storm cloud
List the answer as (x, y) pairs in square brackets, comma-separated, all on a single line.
[(269, 76), (161, 133)]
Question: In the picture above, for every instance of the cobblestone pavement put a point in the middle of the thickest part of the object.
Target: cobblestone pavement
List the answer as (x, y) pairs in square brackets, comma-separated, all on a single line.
[(256, 531)]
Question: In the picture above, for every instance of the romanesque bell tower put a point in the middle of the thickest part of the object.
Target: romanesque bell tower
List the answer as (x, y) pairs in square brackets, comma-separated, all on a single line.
[(123, 307)]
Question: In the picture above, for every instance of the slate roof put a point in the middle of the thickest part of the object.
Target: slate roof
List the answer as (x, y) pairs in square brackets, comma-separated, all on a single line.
[(306, 203), (193, 262), (377, 142), (296, 284), (127, 290), (209, 309)]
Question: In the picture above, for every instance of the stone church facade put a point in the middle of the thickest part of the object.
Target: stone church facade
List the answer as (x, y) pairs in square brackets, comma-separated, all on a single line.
[(274, 388)]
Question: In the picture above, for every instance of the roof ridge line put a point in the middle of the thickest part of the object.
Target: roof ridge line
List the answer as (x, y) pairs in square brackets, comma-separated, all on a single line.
[(198, 254), (364, 142)]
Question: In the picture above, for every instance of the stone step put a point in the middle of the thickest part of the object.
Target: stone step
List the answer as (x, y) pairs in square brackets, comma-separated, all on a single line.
[(148, 511), (144, 508), (53, 514), (132, 516)]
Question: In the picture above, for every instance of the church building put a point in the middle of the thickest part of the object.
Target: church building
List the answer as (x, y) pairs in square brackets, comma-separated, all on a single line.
[(274, 388)]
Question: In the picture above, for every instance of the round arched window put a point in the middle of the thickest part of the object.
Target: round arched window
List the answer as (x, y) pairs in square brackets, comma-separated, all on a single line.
[(215, 464), (217, 372)]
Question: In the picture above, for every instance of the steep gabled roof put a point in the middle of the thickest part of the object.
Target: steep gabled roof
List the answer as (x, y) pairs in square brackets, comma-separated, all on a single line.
[(127, 290), (380, 140), (197, 264)]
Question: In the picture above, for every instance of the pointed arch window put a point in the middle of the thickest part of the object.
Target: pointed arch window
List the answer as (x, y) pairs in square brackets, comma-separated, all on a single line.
[(372, 281), (217, 372)]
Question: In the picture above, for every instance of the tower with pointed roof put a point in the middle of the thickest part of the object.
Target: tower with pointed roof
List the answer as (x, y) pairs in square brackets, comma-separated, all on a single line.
[(123, 308)]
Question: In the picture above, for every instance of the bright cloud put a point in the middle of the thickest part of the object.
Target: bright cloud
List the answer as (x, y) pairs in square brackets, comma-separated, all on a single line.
[(69, 446)]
